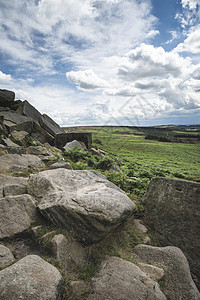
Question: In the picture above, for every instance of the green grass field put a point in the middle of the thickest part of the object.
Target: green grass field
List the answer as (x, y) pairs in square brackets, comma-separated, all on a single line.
[(141, 159)]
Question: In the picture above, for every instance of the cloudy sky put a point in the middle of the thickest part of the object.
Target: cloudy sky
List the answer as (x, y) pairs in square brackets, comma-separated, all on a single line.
[(101, 62)]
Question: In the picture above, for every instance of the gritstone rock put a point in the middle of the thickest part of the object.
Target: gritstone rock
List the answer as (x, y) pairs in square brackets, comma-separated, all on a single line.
[(172, 207), (120, 279), (178, 283), (31, 278), (82, 201), (6, 98), (6, 256)]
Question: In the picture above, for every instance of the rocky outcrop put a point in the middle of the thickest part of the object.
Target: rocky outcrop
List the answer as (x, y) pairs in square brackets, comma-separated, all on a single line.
[(6, 256), (119, 279), (6, 98), (17, 213), (173, 209), (30, 278), (84, 202), (11, 163), (178, 283)]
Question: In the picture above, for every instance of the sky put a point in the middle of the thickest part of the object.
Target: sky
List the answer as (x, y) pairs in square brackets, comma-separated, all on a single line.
[(104, 62)]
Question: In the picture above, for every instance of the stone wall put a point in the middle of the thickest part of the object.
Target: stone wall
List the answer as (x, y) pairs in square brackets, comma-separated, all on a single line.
[(63, 138)]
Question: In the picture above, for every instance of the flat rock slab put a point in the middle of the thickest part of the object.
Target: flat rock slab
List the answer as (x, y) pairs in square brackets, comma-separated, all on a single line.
[(172, 207), (50, 126), (120, 279), (19, 163), (84, 202), (6, 256), (13, 118), (178, 283), (10, 185), (17, 213), (31, 278), (28, 110)]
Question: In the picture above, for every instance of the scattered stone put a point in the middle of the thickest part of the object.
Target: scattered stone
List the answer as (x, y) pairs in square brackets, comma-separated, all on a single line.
[(84, 202), (61, 164), (178, 283), (6, 256), (10, 185), (6, 98), (72, 145), (68, 252), (50, 126), (120, 279), (17, 213), (19, 163), (147, 240), (30, 278), (172, 207)]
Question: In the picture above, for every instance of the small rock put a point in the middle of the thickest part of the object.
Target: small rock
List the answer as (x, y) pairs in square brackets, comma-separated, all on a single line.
[(61, 164), (140, 227), (68, 252), (72, 145), (6, 256), (20, 137)]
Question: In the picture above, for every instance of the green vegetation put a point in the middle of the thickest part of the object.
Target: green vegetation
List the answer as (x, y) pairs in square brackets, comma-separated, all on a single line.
[(141, 159)]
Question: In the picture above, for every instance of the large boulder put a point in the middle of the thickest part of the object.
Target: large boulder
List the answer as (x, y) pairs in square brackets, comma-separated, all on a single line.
[(12, 118), (49, 125), (31, 278), (172, 207), (84, 202), (120, 279), (6, 256), (17, 213), (178, 283), (19, 163), (28, 110), (6, 98), (10, 185)]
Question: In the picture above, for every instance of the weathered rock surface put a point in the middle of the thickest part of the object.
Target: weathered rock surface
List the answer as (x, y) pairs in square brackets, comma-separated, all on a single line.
[(119, 279), (10, 185), (20, 137), (28, 110), (12, 118), (6, 98), (61, 164), (173, 209), (19, 163), (8, 143), (68, 252), (31, 278), (17, 213), (6, 256), (178, 283), (50, 126), (72, 145), (82, 201)]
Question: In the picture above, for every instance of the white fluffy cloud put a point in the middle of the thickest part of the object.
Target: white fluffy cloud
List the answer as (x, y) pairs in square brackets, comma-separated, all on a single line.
[(4, 77), (86, 80), (191, 43), (192, 4)]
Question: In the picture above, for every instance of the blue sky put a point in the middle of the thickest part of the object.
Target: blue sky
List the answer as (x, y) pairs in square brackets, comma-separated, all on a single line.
[(97, 62)]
